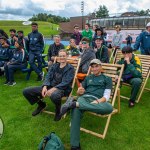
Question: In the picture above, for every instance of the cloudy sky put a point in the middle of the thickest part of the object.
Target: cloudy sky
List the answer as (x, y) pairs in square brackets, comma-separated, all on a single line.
[(24, 9)]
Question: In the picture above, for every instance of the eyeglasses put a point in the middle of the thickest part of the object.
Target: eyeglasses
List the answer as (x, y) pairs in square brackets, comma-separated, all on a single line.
[(62, 56), (84, 42)]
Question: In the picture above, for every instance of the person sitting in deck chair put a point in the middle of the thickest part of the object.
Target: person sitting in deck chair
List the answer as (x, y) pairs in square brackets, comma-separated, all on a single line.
[(87, 55), (56, 85), (132, 72), (93, 96)]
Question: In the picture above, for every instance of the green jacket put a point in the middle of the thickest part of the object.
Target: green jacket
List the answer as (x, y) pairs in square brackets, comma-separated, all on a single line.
[(87, 34), (134, 69), (102, 54)]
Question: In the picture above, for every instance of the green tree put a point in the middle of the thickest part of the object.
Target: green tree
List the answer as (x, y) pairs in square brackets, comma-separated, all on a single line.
[(102, 12), (49, 18), (143, 12)]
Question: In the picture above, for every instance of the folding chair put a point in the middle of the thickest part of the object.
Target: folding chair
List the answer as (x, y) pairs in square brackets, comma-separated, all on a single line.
[(110, 70), (145, 60), (76, 63)]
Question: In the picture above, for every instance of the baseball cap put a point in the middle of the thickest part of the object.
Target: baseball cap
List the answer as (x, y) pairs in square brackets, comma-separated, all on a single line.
[(95, 61), (99, 37), (148, 24)]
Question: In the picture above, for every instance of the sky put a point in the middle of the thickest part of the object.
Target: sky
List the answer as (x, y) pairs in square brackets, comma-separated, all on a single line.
[(24, 9)]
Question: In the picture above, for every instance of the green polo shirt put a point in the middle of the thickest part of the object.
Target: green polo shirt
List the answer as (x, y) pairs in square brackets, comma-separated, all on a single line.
[(96, 85)]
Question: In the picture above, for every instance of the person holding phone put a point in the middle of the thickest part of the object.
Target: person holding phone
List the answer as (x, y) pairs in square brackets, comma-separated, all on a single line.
[(132, 72)]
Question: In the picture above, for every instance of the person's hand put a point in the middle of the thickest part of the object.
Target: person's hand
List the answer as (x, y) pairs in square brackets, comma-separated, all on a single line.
[(44, 91), (95, 102), (81, 90), (8, 63), (50, 63), (5, 45), (127, 60), (49, 92), (52, 58), (116, 78), (15, 38), (95, 49)]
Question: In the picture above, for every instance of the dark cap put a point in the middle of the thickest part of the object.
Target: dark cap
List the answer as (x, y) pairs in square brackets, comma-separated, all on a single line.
[(99, 38), (127, 49)]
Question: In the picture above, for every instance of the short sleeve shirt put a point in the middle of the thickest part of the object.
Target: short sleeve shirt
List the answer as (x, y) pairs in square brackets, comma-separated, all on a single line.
[(96, 85)]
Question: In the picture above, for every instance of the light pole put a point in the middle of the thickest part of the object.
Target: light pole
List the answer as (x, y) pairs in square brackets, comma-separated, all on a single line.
[(82, 12)]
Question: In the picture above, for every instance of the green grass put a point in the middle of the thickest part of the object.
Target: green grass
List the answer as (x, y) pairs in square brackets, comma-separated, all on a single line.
[(45, 28), (128, 130)]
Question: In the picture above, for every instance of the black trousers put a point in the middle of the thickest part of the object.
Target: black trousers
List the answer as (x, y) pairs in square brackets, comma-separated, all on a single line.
[(34, 95)]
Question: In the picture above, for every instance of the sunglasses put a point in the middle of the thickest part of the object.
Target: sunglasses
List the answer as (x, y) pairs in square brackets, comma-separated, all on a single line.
[(84, 42)]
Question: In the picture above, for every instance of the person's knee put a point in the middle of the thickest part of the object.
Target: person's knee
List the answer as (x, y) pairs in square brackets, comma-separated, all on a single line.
[(10, 67), (55, 97), (31, 62), (109, 108), (136, 81), (26, 92)]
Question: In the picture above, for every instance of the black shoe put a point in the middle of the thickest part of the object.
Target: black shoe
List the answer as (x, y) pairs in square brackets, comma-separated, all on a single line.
[(67, 106), (75, 148), (11, 83), (40, 76), (39, 108), (6, 82), (57, 117), (131, 104)]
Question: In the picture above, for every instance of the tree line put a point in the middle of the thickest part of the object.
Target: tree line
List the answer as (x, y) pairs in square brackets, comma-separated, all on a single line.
[(102, 12), (49, 18)]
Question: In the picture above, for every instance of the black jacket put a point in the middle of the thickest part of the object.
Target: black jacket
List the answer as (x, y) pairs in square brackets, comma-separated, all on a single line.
[(53, 50), (5, 54), (18, 57), (67, 78), (36, 41)]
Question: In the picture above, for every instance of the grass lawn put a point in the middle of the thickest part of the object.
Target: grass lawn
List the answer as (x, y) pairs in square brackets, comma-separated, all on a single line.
[(129, 130), (45, 28)]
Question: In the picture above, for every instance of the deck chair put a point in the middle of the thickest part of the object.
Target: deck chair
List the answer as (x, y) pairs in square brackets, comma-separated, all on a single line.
[(76, 63), (110, 70), (145, 60)]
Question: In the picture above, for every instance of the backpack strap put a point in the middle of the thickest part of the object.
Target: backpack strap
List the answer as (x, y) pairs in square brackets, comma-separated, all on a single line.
[(46, 139)]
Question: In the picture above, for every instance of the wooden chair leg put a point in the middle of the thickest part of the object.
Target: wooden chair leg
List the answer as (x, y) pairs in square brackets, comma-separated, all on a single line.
[(118, 96), (139, 97), (106, 126)]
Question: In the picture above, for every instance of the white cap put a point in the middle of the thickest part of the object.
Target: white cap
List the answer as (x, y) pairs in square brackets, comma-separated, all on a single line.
[(148, 25), (95, 61)]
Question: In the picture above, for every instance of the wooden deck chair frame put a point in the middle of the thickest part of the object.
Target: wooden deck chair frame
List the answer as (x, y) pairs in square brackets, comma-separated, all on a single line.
[(112, 53), (71, 61), (109, 70), (145, 60)]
